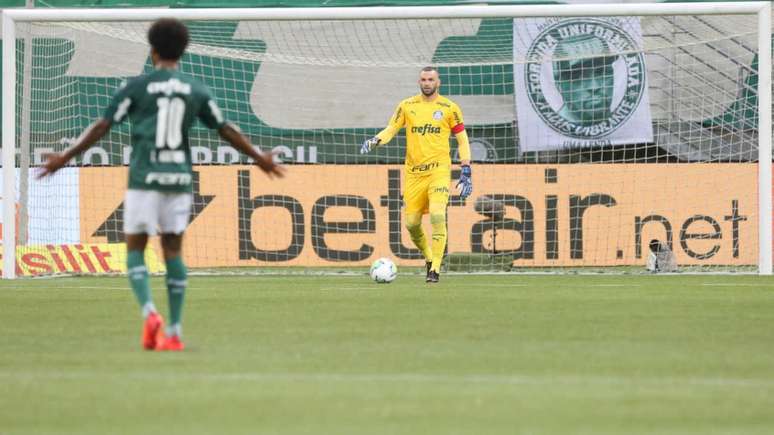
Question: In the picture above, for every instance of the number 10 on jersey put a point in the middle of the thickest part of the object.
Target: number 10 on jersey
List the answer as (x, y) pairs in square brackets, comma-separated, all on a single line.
[(169, 129)]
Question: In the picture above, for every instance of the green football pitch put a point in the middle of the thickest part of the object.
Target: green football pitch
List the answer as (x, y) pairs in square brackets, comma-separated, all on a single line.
[(476, 354)]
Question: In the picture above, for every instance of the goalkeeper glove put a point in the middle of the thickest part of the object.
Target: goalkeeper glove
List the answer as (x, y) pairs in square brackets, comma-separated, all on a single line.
[(369, 144), (465, 184)]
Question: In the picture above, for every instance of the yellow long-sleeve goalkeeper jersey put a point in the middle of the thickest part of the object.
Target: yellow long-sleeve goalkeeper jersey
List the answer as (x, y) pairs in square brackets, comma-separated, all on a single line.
[(428, 126)]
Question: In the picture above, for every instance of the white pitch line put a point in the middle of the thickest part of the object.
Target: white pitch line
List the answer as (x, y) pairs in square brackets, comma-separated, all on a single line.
[(83, 287), (78, 287), (401, 378), (746, 284), (352, 288), (382, 286), (608, 285), (496, 285)]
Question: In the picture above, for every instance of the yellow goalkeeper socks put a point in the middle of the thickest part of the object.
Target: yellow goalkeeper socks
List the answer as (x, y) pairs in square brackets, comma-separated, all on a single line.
[(438, 220), (414, 226)]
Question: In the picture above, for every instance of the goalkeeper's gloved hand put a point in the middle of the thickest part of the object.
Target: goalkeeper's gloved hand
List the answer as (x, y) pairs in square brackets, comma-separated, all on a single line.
[(369, 144), (465, 184)]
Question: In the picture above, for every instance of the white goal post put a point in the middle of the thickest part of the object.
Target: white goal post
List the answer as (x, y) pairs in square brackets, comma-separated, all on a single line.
[(762, 10)]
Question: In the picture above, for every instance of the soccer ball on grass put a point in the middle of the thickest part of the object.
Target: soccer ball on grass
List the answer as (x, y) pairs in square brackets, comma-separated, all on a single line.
[(383, 271)]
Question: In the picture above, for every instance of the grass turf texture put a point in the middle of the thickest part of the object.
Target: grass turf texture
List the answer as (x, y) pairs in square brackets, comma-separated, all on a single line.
[(340, 355)]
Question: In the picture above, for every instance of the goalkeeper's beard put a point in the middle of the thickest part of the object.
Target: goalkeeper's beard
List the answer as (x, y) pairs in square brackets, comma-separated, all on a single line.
[(430, 92)]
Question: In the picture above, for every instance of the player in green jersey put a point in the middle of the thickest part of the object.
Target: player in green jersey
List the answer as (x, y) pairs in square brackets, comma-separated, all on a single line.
[(162, 106)]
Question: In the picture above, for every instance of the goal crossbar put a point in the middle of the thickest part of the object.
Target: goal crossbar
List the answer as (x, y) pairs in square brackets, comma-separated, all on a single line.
[(389, 13)]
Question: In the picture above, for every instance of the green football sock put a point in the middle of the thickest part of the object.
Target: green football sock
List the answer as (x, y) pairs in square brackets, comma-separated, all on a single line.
[(138, 278), (176, 283)]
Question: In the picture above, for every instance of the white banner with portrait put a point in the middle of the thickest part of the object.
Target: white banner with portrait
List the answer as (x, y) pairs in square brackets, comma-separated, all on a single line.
[(580, 82)]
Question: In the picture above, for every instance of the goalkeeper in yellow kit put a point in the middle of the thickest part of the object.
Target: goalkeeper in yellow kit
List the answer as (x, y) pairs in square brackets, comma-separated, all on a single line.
[(429, 118)]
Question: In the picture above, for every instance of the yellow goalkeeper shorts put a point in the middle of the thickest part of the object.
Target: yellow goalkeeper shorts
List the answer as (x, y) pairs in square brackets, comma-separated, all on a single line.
[(421, 190)]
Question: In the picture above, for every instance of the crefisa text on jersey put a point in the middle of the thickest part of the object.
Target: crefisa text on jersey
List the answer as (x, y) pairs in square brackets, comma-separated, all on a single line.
[(169, 87)]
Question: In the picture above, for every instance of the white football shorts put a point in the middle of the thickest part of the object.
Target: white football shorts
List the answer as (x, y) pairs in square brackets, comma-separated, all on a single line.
[(150, 212)]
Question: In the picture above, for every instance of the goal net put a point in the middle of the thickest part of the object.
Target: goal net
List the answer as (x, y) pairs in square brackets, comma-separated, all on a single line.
[(593, 135)]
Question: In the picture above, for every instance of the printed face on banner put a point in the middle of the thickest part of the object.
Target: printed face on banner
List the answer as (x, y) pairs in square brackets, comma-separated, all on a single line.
[(580, 82), (586, 84)]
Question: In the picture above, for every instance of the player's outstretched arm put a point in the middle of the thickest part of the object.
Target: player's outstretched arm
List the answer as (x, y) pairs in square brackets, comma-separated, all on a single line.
[(265, 161), (93, 133), (393, 127)]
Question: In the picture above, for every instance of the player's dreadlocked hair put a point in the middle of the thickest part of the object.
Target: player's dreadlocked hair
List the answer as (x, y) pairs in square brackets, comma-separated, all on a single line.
[(169, 37)]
